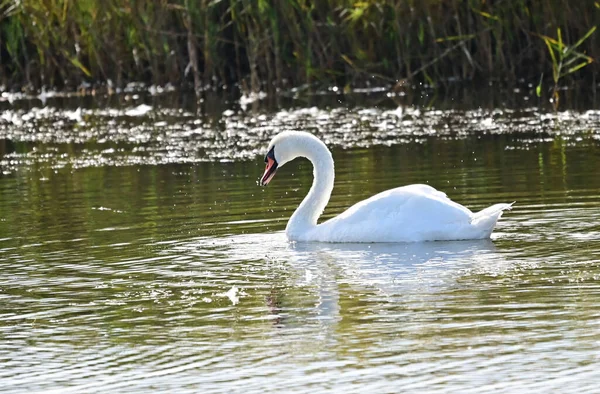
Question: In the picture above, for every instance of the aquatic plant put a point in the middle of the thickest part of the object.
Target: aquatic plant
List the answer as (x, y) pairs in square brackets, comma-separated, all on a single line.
[(565, 59)]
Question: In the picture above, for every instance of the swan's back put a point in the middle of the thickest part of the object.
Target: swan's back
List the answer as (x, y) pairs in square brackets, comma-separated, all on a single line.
[(405, 214)]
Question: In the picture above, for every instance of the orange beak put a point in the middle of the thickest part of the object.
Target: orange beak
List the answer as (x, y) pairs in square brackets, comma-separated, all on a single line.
[(270, 170)]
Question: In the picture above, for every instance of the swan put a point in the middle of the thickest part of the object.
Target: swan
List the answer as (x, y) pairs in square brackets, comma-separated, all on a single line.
[(412, 213)]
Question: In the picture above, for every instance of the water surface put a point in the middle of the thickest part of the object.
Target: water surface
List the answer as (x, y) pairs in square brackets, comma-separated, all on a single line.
[(137, 252)]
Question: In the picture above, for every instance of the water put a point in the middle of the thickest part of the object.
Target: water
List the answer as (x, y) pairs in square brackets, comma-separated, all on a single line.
[(137, 252)]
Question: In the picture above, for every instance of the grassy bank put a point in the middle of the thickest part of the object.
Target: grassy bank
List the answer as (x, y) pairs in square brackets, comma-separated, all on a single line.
[(260, 43)]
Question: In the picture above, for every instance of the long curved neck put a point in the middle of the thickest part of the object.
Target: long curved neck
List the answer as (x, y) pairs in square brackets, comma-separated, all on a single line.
[(313, 205)]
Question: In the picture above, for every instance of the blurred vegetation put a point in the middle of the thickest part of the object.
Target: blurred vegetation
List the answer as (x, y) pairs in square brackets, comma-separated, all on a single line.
[(262, 44)]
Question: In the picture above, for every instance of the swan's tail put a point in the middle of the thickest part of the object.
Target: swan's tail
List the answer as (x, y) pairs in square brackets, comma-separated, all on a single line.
[(485, 220)]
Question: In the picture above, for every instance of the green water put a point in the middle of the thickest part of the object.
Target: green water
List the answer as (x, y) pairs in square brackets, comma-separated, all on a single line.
[(138, 254)]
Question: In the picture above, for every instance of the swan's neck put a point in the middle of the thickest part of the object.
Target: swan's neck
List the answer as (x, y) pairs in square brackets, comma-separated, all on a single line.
[(306, 216)]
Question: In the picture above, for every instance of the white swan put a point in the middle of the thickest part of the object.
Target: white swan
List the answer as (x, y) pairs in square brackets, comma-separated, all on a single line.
[(410, 213)]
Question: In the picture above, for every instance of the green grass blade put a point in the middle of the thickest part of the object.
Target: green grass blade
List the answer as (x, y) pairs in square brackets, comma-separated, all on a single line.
[(488, 15), (455, 38), (585, 37), (575, 68), (538, 88), (553, 57), (78, 64), (560, 40)]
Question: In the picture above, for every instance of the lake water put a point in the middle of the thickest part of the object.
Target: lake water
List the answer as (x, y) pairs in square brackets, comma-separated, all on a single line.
[(138, 254)]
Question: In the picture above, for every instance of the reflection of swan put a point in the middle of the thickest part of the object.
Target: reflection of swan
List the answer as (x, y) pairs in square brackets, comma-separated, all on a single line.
[(358, 263), (279, 268), (402, 253), (405, 214), (396, 268)]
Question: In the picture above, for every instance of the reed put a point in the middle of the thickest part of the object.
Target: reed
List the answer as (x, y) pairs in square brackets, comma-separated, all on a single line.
[(565, 59), (263, 44)]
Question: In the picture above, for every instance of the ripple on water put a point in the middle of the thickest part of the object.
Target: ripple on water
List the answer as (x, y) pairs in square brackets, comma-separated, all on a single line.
[(310, 315), (177, 277)]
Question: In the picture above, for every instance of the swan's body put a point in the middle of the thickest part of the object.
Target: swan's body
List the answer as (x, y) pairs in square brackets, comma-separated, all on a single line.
[(406, 214)]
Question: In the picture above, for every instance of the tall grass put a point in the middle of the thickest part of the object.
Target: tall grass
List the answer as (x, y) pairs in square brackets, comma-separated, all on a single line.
[(262, 44)]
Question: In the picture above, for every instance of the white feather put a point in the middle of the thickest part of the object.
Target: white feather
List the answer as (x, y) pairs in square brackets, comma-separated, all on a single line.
[(410, 213)]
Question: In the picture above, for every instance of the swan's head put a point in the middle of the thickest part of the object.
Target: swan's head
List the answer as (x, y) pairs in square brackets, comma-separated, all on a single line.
[(284, 147)]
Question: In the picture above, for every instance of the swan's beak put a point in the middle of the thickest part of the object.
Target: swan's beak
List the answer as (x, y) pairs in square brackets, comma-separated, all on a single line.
[(270, 169)]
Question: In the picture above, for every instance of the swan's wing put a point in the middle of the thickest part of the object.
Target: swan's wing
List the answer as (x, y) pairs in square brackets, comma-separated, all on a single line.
[(409, 210), (412, 204)]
